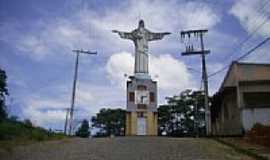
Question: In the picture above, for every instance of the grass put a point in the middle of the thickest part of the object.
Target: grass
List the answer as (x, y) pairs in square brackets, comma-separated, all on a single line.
[(14, 133)]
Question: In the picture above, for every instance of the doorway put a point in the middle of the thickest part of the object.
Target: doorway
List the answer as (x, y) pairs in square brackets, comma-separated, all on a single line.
[(141, 126)]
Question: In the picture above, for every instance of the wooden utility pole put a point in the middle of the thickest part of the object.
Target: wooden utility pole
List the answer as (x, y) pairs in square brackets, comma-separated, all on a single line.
[(190, 51), (74, 85)]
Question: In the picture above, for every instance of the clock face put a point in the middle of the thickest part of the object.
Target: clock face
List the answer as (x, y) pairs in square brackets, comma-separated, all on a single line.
[(141, 97)]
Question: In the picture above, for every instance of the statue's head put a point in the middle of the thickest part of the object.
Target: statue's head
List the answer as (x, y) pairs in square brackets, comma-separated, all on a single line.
[(141, 24)]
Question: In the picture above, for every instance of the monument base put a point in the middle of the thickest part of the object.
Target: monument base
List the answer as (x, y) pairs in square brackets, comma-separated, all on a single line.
[(141, 124), (141, 116)]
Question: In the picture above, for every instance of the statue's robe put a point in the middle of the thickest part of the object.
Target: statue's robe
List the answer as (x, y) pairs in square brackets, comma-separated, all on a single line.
[(141, 37)]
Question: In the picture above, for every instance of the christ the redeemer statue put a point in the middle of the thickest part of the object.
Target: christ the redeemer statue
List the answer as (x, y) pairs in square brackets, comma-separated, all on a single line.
[(140, 37)]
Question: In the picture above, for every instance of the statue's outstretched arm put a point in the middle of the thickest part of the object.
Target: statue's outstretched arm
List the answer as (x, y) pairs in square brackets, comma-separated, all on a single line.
[(124, 35), (156, 36)]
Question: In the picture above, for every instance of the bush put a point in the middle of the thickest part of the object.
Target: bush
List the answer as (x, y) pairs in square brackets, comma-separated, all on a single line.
[(83, 131), (13, 130), (38, 135), (9, 130)]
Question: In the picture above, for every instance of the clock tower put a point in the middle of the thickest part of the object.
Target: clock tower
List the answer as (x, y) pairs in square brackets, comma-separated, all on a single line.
[(141, 116)]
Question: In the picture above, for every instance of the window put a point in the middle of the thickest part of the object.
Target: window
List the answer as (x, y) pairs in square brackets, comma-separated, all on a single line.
[(131, 96), (257, 99), (152, 97)]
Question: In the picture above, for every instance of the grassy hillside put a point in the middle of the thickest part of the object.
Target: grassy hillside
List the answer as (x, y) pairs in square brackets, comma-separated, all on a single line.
[(14, 133)]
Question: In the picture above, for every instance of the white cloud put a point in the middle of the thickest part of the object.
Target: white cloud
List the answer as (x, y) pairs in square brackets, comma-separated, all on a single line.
[(44, 118), (251, 14), (44, 111), (173, 76), (84, 97), (47, 103), (58, 36), (172, 73), (254, 16), (159, 15), (118, 65), (50, 111), (88, 29), (195, 15), (33, 45)]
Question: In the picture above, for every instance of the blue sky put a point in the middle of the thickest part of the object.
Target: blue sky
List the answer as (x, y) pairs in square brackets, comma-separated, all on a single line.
[(36, 39)]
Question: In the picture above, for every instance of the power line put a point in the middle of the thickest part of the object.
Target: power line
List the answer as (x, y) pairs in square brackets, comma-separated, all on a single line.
[(241, 57), (253, 49), (245, 40), (254, 31), (249, 36)]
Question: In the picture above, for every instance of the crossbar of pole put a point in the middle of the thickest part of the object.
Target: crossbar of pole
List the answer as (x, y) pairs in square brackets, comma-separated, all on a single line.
[(193, 31), (195, 53), (83, 51)]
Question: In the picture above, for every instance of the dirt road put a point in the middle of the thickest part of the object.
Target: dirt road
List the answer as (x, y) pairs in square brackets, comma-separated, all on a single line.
[(127, 148)]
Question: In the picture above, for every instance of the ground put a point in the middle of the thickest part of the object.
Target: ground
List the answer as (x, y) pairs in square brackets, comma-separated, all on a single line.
[(126, 148), (243, 143)]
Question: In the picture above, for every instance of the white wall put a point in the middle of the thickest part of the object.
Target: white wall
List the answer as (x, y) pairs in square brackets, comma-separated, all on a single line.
[(250, 116)]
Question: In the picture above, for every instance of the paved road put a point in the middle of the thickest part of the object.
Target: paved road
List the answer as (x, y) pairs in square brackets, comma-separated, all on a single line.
[(127, 148)]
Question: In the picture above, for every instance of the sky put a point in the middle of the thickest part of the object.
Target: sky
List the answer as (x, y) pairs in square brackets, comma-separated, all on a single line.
[(37, 38)]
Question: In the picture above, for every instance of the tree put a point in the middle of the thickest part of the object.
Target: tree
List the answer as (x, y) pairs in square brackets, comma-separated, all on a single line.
[(28, 123), (110, 122), (3, 94), (83, 130), (13, 118), (183, 115)]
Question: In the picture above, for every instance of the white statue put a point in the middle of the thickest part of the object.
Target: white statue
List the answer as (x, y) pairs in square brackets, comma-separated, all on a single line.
[(141, 36)]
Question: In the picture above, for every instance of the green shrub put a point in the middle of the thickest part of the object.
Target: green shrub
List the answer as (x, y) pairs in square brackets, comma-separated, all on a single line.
[(10, 130), (38, 136)]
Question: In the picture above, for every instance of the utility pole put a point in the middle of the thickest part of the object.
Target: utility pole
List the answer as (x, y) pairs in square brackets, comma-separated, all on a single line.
[(66, 121), (74, 85), (190, 51)]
